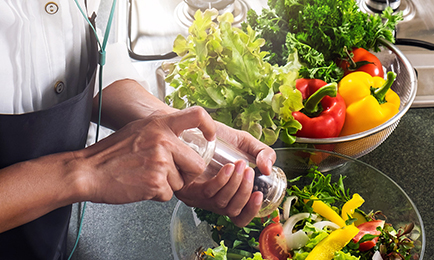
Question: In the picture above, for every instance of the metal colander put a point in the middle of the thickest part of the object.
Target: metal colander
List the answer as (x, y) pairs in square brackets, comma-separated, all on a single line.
[(359, 144), (405, 86)]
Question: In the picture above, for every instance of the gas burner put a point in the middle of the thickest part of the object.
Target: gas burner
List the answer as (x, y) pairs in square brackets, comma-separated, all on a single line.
[(380, 5), (184, 11), (222, 5), (377, 6)]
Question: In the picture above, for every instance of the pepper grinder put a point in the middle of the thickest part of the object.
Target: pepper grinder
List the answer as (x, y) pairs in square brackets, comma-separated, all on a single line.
[(217, 153)]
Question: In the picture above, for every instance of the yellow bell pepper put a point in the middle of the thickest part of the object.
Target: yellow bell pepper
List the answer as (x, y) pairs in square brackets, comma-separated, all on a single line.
[(327, 212), (351, 205), (370, 101), (337, 239)]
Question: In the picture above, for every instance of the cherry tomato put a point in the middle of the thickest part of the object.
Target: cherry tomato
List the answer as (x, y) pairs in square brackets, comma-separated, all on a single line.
[(365, 61), (272, 243), (369, 227)]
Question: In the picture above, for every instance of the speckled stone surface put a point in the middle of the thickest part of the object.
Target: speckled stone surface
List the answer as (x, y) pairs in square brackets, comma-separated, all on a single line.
[(407, 156), (133, 231), (142, 230)]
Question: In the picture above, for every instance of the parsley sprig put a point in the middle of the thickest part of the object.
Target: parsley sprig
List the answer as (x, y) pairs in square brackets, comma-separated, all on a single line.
[(320, 186)]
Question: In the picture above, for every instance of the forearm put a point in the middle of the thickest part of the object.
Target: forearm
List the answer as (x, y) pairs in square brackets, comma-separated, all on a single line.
[(33, 188), (125, 101)]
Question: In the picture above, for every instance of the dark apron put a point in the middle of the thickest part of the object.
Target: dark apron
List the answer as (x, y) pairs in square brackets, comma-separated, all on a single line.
[(63, 127)]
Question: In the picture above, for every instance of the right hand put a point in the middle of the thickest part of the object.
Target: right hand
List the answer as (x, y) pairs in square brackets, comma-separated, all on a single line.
[(141, 161), (230, 191)]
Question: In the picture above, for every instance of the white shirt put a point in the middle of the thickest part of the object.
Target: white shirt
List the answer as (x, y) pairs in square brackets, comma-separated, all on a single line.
[(43, 43)]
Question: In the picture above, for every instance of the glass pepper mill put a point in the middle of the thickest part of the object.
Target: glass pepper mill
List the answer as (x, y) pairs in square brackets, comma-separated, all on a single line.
[(218, 153)]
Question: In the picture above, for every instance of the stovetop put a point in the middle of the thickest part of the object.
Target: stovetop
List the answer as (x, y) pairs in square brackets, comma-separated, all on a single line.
[(150, 27), (417, 29)]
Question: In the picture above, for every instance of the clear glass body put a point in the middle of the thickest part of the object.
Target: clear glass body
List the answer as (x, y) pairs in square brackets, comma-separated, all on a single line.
[(218, 153)]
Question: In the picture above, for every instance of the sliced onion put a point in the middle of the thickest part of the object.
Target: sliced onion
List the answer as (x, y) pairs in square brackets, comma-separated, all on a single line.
[(377, 256), (287, 206), (293, 242), (320, 225), (297, 240)]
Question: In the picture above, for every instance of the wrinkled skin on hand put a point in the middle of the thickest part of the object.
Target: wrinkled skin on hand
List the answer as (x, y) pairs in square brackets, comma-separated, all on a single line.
[(230, 191), (141, 161), (145, 160)]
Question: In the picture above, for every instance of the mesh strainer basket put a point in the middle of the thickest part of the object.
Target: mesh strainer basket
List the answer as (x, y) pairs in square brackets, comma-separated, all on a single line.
[(405, 86), (359, 144)]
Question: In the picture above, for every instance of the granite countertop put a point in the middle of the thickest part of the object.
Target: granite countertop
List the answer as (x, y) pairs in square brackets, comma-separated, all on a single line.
[(407, 157), (142, 230)]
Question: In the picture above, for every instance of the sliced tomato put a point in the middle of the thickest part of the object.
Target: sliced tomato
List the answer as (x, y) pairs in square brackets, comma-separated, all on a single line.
[(276, 219), (369, 227), (363, 60), (272, 243)]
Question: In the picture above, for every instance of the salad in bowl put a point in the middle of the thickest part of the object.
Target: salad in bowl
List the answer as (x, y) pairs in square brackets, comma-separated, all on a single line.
[(348, 212)]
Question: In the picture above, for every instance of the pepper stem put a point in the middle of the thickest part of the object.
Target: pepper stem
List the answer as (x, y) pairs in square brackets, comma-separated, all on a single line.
[(311, 105), (380, 93), (350, 59), (353, 65)]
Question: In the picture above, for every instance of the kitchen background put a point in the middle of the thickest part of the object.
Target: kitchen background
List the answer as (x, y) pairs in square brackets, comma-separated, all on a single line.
[(148, 27)]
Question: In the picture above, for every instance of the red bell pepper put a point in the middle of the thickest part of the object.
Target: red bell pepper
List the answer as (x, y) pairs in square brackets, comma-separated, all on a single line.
[(323, 114), (362, 60), (370, 228)]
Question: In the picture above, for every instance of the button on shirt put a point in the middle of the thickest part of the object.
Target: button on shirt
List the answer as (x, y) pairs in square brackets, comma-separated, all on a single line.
[(43, 48)]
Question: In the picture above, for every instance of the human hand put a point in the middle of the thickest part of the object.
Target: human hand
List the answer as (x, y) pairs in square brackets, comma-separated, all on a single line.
[(264, 154), (141, 161), (230, 191)]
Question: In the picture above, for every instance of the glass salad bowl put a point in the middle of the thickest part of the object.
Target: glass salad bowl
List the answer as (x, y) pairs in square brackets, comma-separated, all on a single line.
[(380, 193)]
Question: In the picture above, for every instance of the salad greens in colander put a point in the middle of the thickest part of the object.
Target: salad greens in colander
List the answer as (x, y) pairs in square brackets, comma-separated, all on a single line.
[(223, 70)]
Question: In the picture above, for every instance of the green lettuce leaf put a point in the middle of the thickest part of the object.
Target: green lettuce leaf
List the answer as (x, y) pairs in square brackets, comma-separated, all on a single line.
[(344, 256), (223, 70), (217, 253), (221, 253)]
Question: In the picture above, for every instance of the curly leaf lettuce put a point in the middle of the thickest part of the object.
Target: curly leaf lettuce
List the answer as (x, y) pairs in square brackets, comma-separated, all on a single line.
[(223, 70), (221, 253)]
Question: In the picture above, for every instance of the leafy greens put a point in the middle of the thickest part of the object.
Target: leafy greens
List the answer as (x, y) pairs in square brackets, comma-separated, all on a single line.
[(223, 70), (320, 31)]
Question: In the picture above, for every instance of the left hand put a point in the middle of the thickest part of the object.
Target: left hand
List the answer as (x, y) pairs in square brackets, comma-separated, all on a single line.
[(230, 191)]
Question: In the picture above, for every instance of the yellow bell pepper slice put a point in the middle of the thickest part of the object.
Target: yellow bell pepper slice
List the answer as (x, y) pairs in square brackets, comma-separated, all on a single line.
[(370, 101), (337, 239), (351, 205), (360, 218), (327, 212)]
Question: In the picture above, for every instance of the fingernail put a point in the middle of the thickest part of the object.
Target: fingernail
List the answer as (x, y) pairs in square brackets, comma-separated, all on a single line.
[(213, 138), (248, 175), (270, 164), (258, 200), (240, 167), (229, 169)]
